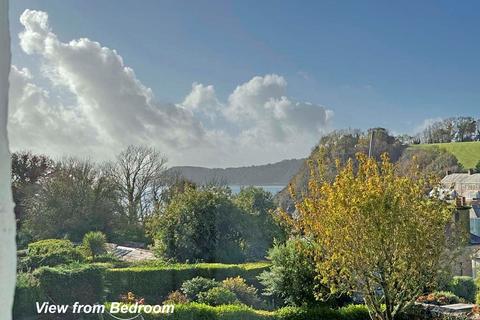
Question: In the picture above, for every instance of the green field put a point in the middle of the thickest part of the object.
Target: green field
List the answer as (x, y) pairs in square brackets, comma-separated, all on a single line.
[(468, 153)]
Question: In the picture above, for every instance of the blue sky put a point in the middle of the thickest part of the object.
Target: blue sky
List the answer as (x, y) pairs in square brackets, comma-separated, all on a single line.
[(373, 63)]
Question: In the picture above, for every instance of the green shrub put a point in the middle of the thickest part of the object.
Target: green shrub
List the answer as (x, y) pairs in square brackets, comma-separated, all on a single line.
[(291, 278), (49, 245), (154, 283), (94, 244), (193, 287), (354, 312), (464, 287), (27, 292), (68, 284), (217, 296), (245, 294), (50, 252)]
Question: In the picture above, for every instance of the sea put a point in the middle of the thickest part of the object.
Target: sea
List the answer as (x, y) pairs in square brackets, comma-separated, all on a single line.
[(272, 189)]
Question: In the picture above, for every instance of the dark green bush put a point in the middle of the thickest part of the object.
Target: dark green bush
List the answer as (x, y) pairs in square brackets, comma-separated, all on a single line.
[(155, 283), (68, 284), (193, 287), (291, 278), (464, 287), (27, 292), (218, 296)]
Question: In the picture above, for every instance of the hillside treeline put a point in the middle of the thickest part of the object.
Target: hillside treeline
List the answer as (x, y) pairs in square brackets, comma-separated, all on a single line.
[(455, 129)]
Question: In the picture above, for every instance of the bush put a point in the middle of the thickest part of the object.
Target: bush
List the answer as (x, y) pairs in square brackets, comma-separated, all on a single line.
[(50, 252), (439, 298), (217, 296), (354, 312), (94, 244), (193, 287), (68, 284), (464, 287), (156, 282), (292, 275), (245, 294), (176, 297), (49, 246)]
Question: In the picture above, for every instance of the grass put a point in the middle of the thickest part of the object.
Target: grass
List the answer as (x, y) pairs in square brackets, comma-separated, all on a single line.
[(467, 153)]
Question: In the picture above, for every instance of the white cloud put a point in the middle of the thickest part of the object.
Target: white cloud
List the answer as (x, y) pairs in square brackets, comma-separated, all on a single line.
[(111, 108)]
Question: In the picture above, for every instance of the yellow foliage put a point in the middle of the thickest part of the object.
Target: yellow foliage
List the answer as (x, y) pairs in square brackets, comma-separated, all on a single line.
[(375, 231)]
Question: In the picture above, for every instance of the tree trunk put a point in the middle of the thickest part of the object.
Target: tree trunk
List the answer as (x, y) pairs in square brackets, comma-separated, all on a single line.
[(7, 220)]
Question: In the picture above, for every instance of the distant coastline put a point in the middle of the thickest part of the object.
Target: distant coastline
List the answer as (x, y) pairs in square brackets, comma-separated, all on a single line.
[(275, 174)]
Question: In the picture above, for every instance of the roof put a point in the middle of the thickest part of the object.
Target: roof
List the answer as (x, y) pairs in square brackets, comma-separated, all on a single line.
[(461, 178), (474, 239), (475, 211)]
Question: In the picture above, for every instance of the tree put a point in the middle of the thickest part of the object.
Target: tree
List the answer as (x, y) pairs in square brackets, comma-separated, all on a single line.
[(432, 160), (465, 128), (262, 228), (199, 225), (340, 145), (76, 199), (28, 170), (375, 233), (173, 184), (94, 243), (138, 173)]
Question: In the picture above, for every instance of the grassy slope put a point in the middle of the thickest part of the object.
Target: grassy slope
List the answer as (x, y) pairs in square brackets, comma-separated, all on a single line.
[(468, 153)]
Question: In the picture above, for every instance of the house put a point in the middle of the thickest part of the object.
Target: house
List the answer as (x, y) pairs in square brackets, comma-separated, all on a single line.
[(464, 184), (465, 188)]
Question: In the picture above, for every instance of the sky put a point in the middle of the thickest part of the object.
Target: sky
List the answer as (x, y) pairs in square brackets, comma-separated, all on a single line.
[(229, 83)]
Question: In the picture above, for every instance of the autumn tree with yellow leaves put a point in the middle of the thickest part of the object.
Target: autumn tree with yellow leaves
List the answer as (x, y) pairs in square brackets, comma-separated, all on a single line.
[(375, 233)]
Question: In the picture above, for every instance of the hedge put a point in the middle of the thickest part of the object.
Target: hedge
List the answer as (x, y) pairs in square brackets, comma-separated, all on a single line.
[(154, 283), (57, 285), (71, 283), (27, 292), (196, 311)]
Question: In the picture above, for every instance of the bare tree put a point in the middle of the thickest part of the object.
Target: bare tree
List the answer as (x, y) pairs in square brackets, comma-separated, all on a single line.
[(138, 172), (7, 225)]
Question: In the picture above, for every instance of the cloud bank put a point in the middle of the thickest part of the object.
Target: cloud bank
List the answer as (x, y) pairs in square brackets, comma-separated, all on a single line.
[(94, 105)]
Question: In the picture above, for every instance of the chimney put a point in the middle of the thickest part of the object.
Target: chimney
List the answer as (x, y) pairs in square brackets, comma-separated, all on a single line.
[(449, 172), (471, 171), (460, 202)]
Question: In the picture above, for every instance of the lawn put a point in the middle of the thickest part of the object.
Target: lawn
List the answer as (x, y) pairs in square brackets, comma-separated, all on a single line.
[(468, 153)]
